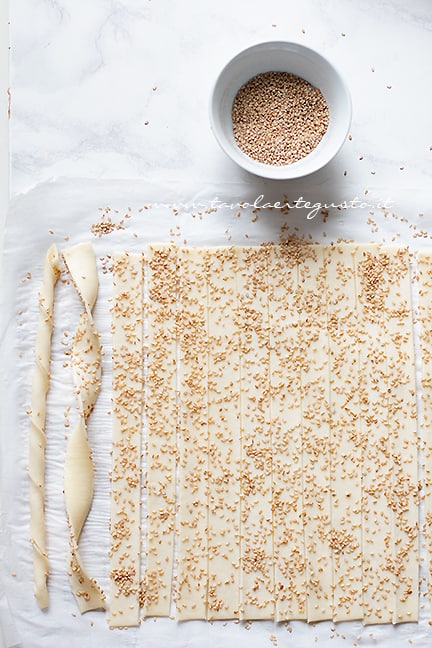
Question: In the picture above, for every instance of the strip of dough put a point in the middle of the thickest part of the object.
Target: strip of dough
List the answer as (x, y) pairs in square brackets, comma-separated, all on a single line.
[(402, 492), (257, 568), (78, 473), (37, 441), (125, 524), (224, 435), (192, 581), (162, 423), (346, 447), (371, 266), (311, 304), (424, 261), (285, 362)]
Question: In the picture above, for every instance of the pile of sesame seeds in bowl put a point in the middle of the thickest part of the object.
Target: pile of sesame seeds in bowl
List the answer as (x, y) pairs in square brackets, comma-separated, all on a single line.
[(279, 118)]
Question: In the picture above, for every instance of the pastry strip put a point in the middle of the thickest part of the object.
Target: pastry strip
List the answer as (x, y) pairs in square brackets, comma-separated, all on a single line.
[(424, 262), (316, 441), (224, 435), (402, 493), (78, 472), (37, 440), (371, 265), (125, 524), (192, 569), (285, 360), (162, 421), (346, 449), (257, 568)]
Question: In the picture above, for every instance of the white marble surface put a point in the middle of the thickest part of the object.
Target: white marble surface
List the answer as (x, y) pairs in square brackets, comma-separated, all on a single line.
[(4, 194), (87, 76), (4, 117)]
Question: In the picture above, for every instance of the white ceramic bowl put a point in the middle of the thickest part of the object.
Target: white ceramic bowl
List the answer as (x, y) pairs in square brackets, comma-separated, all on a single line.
[(281, 56)]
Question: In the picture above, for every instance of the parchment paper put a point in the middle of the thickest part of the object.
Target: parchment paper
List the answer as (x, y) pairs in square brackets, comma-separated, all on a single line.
[(62, 212)]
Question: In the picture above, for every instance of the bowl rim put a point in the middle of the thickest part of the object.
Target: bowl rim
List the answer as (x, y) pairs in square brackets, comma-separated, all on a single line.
[(288, 171)]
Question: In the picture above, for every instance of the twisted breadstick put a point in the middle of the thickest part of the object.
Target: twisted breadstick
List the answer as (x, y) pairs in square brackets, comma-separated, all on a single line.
[(79, 468), (41, 379)]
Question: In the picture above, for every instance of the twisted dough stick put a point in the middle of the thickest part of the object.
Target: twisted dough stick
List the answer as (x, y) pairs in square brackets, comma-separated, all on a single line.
[(41, 379), (79, 468)]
